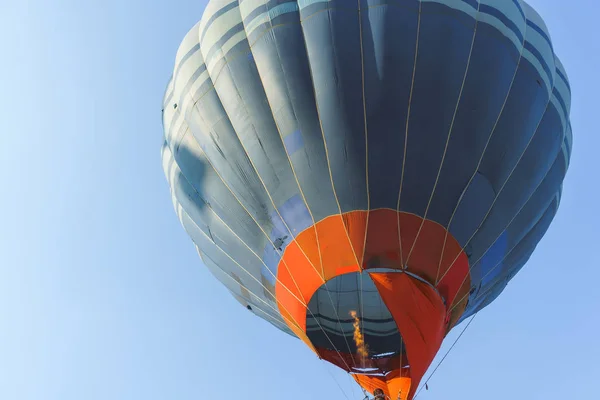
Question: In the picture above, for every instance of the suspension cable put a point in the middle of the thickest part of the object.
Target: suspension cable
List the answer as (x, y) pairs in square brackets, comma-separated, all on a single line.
[(445, 355)]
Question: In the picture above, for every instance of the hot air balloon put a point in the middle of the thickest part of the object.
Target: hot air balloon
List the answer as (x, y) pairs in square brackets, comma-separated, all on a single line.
[(366, 174)]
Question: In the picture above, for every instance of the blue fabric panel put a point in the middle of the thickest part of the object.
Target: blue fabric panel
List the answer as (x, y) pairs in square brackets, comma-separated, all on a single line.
[(298, 110), (295, 213), (333, 47), (289, 17), (522, 113), (241, 91), (224, 151), (226, 7), (207, 201), (514, 261), (527, 175), (490, 78), (444, 47), (293, 142), (490, 265), (389, 61), (214, 248), (230, 282), (471, 209), (538, 203), (512, 25), (290, 90), (266, 6), (517, 258), (529, 216)]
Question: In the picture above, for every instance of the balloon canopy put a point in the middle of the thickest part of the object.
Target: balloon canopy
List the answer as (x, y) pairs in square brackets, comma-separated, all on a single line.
[(366, 174)]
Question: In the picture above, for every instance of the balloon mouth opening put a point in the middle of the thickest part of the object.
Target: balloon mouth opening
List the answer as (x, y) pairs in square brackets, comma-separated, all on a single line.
[(349, 324), (371, 324), (382, 316)]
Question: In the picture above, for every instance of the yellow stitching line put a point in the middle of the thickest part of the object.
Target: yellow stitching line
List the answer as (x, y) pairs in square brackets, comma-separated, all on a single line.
[(187, 130), (364, 101), (252, 163), (325, 143), (302, 194), (500, 191), (233, 260), (292, 321), (232, 231), (480, 159), (412, 85), (448, 137), (362, 62), (239, 53), (479, 163), (260, 283), (288, 157), (508, 225), (291, 275), (248, 300)]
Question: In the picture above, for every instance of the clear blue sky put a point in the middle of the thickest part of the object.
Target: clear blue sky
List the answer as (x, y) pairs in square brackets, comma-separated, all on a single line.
[(102, 296)]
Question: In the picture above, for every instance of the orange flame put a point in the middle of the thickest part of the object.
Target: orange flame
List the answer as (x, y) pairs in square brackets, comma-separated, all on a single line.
[(359, 340)]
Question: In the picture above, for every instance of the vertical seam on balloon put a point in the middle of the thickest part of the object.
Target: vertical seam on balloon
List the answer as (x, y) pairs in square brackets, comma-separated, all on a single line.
[(462, 86), (512, 220), (290, 163), (292, 321), (509, 224), (317, 239), (260, 283), (248, 300), (364, 101), (282, 141), (497, 195), (235, 234), (263, 183), (323, 133), (500, 113), (503, 258), (187, 130), (213, 87), (300, 187), (282, 259), (412, 86), (236, 262)]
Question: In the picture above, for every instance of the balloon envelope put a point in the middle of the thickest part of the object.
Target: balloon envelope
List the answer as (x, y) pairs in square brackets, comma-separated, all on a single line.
[(366, 174)]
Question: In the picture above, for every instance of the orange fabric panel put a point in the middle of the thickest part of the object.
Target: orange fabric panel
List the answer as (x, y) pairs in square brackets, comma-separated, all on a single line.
[(300, 267), (297, 280), (392, 385), (289, 304), (400, 387), (424, 252), (432, 252), (382, 248), (297, 272), (299, 331), (456, 311), (332, 247), (409, 226), (454, 269), (336, 250), (308, 243), (419, 313), (356, 227), (347, 270)]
